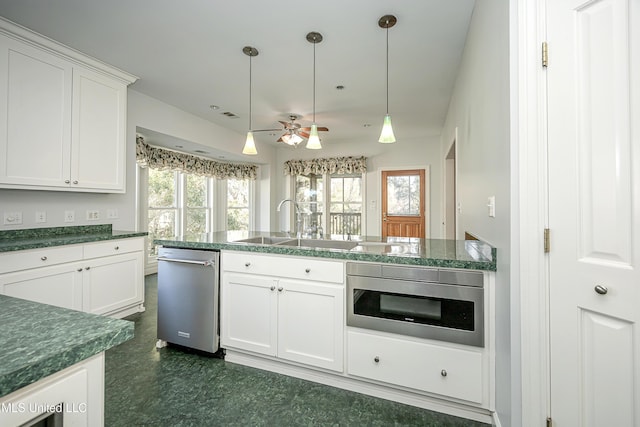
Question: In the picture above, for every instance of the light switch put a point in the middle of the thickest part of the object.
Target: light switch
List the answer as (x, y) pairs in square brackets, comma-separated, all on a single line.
[(491, 205)]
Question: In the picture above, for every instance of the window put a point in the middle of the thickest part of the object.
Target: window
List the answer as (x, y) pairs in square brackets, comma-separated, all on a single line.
[(345, 203), (183, 204)]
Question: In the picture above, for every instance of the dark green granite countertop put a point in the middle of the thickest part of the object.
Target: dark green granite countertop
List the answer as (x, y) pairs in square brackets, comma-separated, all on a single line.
[(33, 238), (466, 254), (37, 340)]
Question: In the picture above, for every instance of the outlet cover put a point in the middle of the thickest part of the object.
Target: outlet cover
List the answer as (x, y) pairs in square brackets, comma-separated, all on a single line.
[(112, 213), (69, 216), (12, 218), (93, 215), (41, 216)]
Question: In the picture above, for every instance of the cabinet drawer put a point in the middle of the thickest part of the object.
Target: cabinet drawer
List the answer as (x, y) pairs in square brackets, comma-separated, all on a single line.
[(113, 247), (34, 258), (446, 371), (284, 266)]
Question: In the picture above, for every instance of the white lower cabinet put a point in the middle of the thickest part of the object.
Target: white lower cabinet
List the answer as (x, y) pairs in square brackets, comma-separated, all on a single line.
[(285, 317), (101, 278), (446, 371)]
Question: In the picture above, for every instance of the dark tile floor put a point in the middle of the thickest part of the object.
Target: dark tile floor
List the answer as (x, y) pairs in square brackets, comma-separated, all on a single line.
[(175, 387)]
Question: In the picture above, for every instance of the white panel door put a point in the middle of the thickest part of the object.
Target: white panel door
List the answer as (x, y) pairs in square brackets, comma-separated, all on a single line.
[(99, 131), (594, 211), (35, 116), (311, 323)]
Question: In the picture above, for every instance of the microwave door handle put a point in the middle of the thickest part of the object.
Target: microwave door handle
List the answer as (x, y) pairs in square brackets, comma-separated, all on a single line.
[(186, 261)]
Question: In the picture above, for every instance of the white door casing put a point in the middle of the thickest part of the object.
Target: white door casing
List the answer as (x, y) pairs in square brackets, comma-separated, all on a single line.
[(594, 207)]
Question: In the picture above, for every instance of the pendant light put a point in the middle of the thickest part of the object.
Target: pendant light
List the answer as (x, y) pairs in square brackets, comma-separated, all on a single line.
[(250, 145), (386, 136), (313, 143)]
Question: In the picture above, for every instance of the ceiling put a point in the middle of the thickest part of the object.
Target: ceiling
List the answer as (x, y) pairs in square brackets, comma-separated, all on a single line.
[(189, 54)]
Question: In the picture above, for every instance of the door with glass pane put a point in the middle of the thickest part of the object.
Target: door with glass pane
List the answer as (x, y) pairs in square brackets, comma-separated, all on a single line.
[(403, 204)]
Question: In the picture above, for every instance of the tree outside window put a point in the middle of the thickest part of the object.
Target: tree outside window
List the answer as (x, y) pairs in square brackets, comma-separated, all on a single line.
[(237, 204)]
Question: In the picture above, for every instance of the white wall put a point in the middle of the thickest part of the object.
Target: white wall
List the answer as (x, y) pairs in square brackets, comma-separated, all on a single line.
[(480, 110), (404, 154)]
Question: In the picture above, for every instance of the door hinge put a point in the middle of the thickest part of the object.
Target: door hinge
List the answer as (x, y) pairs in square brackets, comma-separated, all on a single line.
[(549, 422), (547, 246), (545, 54)]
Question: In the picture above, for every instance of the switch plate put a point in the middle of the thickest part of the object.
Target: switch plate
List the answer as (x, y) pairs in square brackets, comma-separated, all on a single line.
[(93, 215), (69, 216), (12, 218), (491, 205), (41, 216)]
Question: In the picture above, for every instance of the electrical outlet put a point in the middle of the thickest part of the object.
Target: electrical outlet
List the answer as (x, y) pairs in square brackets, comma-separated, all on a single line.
[(69, 216), (112, 213), (12, 218), (93, 215), (491, 205), (41, 216)]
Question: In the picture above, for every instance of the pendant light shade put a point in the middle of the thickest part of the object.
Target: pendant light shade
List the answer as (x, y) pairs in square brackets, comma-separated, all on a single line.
[(250, 145), (313, 143), (387, 136)]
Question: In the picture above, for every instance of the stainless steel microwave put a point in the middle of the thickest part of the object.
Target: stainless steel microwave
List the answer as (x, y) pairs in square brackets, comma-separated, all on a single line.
[(439, 304)]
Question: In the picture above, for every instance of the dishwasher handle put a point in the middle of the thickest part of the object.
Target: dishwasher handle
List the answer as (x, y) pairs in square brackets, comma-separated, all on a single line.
[(188, 261)]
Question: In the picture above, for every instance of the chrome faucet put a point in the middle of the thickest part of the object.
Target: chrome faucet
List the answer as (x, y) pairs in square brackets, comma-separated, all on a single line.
[(298, 216)]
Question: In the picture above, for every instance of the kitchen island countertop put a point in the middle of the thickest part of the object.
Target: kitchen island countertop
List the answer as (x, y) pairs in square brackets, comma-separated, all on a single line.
[(465, 254), (38, 340)]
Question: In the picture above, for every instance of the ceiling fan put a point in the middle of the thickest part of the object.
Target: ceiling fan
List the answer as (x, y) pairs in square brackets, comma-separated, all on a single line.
[(293, 131)]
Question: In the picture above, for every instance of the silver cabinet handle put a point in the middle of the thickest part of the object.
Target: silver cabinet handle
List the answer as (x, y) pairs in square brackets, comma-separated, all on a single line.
[(443, 372), (602, 290), (280, 288), (273, 288), (117, 248), (80, 269), (87, 268), (247, 264), (376, 359), (75, 182), (44, 258), (307, 270), (66, 181)]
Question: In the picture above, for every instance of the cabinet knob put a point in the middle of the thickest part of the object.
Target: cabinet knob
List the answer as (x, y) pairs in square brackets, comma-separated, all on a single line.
[(87, 268), (307, 270), (376, 359), (44, 258), (602, 290), (273, 288), (80, 269), (66, 181), (280, 288), (75, 182), (117, 248), (443, 372), (247, 264)]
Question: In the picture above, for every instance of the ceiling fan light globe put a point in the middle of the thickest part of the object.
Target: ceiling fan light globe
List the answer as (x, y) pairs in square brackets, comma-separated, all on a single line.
[(313, 143), (249, 145), (387, 136)]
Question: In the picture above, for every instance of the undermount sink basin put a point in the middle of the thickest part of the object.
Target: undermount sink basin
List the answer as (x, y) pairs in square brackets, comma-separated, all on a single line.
[(320, 243), (261, 240)]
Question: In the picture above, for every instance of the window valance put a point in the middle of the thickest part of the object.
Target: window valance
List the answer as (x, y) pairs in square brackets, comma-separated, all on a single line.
[(333, 165), (158, 158)]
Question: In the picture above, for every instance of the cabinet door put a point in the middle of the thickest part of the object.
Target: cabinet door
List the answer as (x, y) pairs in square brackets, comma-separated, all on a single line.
[(113, 283), (59, 285), (248, 313), (35, 116), (99, 131), (311, 323)]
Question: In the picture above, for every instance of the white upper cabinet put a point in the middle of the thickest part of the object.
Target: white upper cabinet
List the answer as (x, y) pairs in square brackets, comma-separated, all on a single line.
[(62, 117)]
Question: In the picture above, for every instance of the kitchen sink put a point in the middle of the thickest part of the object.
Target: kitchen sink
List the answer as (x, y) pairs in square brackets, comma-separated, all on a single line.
[(262, 240), (320, 243)]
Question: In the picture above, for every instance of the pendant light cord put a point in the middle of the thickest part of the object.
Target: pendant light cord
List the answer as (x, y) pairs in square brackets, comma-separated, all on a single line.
[(250, 63), (387, 67), (314, 83)]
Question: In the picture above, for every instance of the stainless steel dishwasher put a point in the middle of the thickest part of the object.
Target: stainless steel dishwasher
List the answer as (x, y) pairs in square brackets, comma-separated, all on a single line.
[(188, 298)]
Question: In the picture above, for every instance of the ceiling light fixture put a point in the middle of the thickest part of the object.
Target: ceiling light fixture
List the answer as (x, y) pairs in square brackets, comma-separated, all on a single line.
[(250, 145), (313, 143), (386, 136)]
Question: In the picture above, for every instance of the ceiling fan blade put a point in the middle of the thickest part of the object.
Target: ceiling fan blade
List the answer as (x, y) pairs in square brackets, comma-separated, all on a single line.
[(303, 133), (320, 128), (266, 130)]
